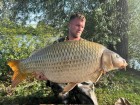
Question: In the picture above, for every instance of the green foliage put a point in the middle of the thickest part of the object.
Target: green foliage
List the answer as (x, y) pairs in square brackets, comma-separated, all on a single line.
[(110, 18), (134, 29), (101, 16), (29, 91), (18, 42), (101, 24), (28, 88)]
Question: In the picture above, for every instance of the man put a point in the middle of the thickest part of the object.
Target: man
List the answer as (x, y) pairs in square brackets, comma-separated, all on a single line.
[(84, 92)]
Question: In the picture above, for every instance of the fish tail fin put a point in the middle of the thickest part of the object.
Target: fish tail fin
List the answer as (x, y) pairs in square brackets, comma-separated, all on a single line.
[(18, 76)]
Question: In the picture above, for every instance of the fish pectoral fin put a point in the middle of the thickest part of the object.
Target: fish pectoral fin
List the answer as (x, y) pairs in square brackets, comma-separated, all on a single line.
[(96, 76), (18, 76), (69, 87)]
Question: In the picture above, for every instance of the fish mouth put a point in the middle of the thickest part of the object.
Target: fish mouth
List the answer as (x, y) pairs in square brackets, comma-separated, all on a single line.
[(124, 66)]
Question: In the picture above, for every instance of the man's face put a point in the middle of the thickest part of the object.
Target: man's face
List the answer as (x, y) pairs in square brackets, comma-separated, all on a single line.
[(76, 27)]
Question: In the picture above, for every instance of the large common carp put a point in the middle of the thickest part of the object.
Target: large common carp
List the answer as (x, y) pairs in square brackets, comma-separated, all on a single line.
[(68, 62)]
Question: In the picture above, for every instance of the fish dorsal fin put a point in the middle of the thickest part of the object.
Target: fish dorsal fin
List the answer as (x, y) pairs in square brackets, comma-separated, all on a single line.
[(69, 87), (34, 52)]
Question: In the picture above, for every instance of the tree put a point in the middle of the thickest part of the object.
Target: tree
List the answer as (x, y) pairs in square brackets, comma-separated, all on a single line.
[(106, 19), (122, 27), (134, 26)]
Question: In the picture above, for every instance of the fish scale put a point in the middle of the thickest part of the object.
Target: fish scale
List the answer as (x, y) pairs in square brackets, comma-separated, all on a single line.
[(68, 62), (75, 62)]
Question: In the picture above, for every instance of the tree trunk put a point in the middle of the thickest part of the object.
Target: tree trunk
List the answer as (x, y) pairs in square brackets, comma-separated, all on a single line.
[(122, 28)]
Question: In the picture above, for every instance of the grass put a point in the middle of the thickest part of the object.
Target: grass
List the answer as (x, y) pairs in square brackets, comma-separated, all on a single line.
[(110, 87), (124, 84)]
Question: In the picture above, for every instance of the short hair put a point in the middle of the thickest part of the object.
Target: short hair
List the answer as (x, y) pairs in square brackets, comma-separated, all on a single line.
[(77, 15)]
